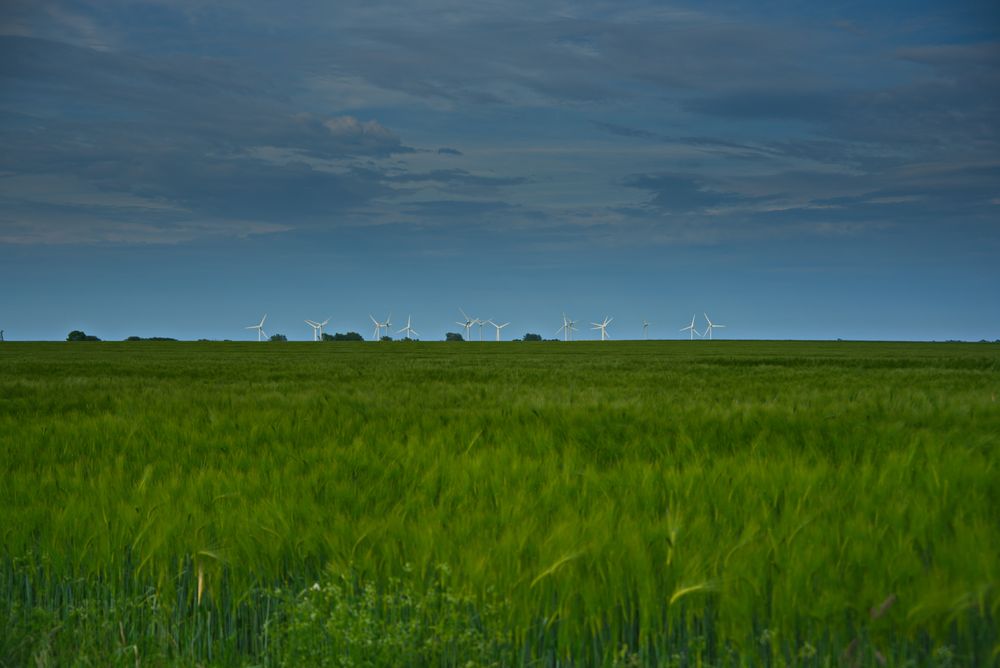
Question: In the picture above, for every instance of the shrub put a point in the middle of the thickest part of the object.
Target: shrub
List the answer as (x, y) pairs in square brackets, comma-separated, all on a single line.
[(77, 335)]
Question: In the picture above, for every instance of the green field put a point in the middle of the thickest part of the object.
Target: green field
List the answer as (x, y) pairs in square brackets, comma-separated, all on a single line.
[(615, 504)]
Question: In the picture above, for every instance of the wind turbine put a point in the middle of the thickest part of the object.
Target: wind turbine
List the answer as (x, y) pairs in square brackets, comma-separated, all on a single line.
[(468, 324), (709, 327), (603, 326), (379, 326), (409, 330), (691, 329), (645, 329), (259, 328), (482, 325), (317, 328), (568, 327), (499, 327)]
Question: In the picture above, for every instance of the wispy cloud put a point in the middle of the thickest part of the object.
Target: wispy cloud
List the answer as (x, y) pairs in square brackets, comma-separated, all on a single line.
[(165, 115)]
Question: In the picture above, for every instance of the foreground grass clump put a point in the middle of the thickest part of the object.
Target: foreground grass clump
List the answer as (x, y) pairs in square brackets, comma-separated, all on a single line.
[(661, 503), (343, 621)]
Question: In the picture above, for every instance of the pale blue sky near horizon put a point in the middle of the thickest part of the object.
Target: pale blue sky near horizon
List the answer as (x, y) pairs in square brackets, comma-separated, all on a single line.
[(178, 168)]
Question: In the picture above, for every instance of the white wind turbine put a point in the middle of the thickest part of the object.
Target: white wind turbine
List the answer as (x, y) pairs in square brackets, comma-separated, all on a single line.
[(499, 327), (410, 332), (379, 326), (567, 329), (260, 328), (317, 328), (709, 327), (468, 324), (645, 329), (691, 328), (603, 326)]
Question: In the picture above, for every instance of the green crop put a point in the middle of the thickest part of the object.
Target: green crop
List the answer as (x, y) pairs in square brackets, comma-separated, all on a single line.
[(552, 504)]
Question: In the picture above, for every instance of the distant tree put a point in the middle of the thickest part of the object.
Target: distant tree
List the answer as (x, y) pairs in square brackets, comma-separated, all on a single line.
[(77, 335), (350, 336), (453, 336), (278, 337), (532, 337), (327, 337), (386, 338), (134, 338), (150, 338)]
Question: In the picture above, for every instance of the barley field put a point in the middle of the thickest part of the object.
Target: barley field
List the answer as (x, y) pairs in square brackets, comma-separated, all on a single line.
[(463, 504)]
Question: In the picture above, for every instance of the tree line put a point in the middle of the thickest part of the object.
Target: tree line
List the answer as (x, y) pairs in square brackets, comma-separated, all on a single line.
[(79, 335)]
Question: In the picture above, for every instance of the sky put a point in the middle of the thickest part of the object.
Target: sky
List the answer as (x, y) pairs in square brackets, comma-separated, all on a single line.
[(794, 170)]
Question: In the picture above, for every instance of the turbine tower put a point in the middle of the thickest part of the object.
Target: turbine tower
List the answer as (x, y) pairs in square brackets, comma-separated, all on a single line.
[(499, 327), (260, 328), (379, 326), (321, 326), (603, 326), (691, 329), (468, 324), (709, 327), (410, 333), (645, 330)]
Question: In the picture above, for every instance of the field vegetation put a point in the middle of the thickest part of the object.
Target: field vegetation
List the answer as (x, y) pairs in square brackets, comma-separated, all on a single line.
[(548, 504)]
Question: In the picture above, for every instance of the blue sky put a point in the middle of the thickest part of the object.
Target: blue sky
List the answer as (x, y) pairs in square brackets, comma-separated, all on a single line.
[(180, 168)]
